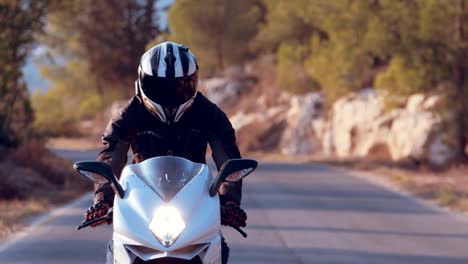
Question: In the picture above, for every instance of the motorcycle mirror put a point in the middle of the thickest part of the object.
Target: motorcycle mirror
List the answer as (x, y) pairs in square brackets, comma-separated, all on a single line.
[(238, 175), (94, 177), (231, 171), (99, 172)]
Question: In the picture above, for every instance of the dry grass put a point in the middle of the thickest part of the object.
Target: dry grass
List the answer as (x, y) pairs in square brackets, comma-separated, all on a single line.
[(75, 143), (448, 187), (32, 180), (13, 211)]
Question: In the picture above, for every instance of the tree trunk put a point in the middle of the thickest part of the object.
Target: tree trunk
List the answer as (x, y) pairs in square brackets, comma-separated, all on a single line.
[(462, 114), (220, 57), (461, 96)]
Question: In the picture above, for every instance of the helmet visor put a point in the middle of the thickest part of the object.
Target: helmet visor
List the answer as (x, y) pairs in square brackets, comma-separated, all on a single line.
[(169, 92)]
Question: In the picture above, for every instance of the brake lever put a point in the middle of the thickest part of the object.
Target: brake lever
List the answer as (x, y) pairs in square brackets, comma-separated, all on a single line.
[(107, 217), (244, 234)]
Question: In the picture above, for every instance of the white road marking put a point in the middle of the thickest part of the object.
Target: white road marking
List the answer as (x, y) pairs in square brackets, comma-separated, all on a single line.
[(42, 220)]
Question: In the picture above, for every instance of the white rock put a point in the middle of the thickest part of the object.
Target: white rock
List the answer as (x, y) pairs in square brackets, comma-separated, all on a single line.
[(305, 125), (328, 142), (234, 72), (241, 119), (356, 125), (359, 124), (352, 122), (409, 134), (220, 90), (415, 103), (431, 102), (440, 153)]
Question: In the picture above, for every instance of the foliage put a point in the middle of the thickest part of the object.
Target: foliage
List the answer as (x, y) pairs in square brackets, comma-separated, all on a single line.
[(71, 98), (290, 67), (19, 21), (407, 76), (113, 36), (399, 46), (332, 67), (218, 31), (94, 49), (289, 22), (434, 57)]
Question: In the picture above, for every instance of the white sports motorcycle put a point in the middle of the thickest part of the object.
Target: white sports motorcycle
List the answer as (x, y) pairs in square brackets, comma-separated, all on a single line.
[(166, 209)]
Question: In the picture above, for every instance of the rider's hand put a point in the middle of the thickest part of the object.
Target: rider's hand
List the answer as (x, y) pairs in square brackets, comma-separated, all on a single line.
[(96, 211), (233, 215)]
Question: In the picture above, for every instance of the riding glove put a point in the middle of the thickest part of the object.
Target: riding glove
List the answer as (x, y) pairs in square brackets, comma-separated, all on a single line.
[(233, 215), (96, 211)]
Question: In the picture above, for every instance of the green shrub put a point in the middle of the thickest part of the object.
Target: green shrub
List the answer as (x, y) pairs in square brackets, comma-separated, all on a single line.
[(291, 75)]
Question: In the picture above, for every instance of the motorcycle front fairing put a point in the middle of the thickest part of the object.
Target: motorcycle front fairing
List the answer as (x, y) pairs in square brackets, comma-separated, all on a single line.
[(166, 182)]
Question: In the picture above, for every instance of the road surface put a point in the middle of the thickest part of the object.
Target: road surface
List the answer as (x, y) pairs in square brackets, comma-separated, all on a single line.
[(297, 214)]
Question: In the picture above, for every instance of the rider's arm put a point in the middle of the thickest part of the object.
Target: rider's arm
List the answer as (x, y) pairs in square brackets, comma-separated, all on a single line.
[(116, 145), (222, 139)]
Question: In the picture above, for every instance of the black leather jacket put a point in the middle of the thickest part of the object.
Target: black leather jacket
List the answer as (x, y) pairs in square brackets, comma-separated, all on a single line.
[(148, 137)]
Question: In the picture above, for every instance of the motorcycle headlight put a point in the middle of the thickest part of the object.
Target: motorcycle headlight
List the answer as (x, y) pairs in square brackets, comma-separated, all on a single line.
[(167, 224)]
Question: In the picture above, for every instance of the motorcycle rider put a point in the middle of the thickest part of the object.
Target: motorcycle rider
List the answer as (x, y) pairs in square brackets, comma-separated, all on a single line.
[(166, 117)]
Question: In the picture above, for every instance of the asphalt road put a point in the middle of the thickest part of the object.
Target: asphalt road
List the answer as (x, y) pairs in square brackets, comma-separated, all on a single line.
[(297, 214)]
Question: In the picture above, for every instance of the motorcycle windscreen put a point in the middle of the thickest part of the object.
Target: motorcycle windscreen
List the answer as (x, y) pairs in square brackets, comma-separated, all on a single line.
[(167, 175)]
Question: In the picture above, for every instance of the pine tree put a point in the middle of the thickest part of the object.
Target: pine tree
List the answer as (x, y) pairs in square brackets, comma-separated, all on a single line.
[(218, 31), (94, 49), (434, 58), (19, 22)]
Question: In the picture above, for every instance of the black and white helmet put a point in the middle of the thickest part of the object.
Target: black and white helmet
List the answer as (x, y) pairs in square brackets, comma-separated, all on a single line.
[(167, 80)]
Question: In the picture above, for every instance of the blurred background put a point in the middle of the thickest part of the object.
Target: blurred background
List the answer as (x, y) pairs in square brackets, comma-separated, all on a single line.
[(378, 85)]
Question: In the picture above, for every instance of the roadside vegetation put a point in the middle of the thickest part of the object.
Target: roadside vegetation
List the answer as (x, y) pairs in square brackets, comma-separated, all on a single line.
[(398, 47), (33, 181), (446, 187), (90, 51), (32, 178)]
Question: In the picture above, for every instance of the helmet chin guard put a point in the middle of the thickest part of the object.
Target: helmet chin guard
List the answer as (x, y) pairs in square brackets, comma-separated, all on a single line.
[(167, 115)]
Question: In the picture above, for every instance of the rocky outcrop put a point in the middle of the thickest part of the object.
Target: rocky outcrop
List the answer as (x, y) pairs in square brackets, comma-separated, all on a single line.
[(226, 90), (358, 126), (260, 130), (221, 91), (417, 133), (305, 125)]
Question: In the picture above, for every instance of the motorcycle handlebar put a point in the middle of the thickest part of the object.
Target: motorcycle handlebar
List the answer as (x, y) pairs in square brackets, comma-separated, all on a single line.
[(109, 216)]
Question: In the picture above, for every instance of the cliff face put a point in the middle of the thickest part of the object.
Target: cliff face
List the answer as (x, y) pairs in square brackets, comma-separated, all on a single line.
[(356, 125)]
